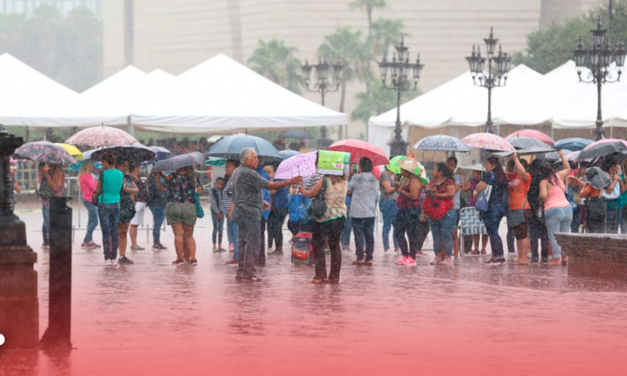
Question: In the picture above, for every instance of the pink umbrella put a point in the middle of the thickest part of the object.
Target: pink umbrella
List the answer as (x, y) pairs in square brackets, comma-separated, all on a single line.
[(487, 141), (531, 133), (101, 137), (360, 149), (298, 165), (604, 141), (377, 172)]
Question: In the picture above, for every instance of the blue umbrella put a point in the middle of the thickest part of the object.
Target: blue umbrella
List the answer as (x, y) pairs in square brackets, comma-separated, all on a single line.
[(180, 161), (289, 153), (230, 148), (160, 152), (573, 144), (442, 143)]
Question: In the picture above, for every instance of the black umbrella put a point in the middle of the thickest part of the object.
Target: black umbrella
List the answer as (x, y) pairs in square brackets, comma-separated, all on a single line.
[(526, 143), (602, 150), (136, 153), (179, 161), (296, 133), (230, 148)]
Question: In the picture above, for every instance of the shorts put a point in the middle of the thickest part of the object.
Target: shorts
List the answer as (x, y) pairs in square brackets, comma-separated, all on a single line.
[(176, 212), (522, 230), (138, 219)]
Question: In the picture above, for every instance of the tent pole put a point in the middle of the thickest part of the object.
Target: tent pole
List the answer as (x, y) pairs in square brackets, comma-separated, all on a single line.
[(131, 127), (611, 132), (552, 132), (27, 134)]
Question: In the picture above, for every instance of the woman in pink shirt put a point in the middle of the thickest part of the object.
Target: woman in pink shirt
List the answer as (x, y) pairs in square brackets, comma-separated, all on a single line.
[(88, 183)]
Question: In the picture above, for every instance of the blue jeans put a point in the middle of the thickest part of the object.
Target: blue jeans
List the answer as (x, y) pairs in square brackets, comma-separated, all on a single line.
[(388, 209), (92, 222), (442, 231), (612, 221), (158, 216), (232, 233), (623, 220), (109, 218), (345, 238), (45, 227), (492, 221), (218, 228), (558, 220), (364, 230)]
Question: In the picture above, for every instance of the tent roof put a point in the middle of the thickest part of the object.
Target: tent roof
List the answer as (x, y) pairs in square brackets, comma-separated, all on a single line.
[(26, 92)]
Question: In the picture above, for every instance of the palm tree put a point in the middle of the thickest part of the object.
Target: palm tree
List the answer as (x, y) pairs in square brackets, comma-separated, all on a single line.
[(275, 61), (377, 99), (369, 5), (385, 33)]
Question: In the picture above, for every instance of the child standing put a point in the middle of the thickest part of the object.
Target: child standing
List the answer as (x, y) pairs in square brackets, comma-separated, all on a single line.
[(217, 215)]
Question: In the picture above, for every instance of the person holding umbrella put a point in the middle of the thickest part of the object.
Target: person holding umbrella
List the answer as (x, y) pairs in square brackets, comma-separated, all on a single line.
[(127, 208), (409, 209), (363, 188), (156, 203), (108, 192), (88, 183), (592, 187), (52, 185), (246, 210)]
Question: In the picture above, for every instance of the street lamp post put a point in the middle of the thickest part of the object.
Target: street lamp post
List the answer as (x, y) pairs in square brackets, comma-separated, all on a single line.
[(600, 61), (399, 68), (496, 76), (323, 84)]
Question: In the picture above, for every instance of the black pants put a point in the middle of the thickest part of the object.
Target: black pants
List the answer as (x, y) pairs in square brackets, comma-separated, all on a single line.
[(538, 231), (333, 231), (364, 230), (260, 260), (249, 241), (511, 247), (275, 227), (293, 227), (407, 221), (423, 231)]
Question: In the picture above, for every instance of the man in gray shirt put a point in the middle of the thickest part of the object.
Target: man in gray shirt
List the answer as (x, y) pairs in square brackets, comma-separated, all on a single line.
[(246, 210)]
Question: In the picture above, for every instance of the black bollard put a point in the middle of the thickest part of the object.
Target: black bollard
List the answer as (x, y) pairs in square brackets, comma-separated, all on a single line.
[(60, 306)]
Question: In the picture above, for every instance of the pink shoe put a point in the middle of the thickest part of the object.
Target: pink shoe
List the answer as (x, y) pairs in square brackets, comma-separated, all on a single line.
[(409, 261), (420, 253), (401, 261), (436, 261), (447, 261), (483, 251)]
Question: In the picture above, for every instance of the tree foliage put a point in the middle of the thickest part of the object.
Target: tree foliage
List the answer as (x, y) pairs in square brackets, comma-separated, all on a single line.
[(377, 100), (68, 49), (275, 61), (549, 48), (369, 6)]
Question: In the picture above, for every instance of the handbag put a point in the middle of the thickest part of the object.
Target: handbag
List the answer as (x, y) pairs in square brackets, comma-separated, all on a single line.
[(127, 206), (319, 204), (298, 208), (516, 217), (94, 195), (436, 208), (200, 212), (483, 199)]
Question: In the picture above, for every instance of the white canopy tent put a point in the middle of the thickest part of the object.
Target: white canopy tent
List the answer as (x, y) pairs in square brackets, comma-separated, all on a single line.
[(222, 95), (27, 92)]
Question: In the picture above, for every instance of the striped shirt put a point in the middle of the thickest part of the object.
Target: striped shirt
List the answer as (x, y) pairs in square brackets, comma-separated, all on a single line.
[(227, 195)]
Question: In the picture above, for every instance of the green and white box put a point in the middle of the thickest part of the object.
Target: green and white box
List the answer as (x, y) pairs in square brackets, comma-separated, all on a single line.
[(333, 162)]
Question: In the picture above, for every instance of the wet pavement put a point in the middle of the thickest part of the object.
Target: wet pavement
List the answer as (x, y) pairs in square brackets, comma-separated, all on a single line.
[(152, 318)]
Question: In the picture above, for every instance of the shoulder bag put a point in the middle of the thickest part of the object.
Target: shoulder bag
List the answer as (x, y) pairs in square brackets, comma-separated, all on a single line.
[(319, 204), (95, 196), (516, 217), (483, 199)]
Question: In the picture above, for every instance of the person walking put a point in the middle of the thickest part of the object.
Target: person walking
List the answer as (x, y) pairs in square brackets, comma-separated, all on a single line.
[(363, 189), (279, 206), (497, 205), (180, 212), (247, 205), (88, 182), (217, 214), (156, 203), (227, 197), (519, 208), (440, 209), (329, 226), (52, 185), (141, 201), (387, 205), (557, 209), (408, 216), (108, 190), (537, 225)]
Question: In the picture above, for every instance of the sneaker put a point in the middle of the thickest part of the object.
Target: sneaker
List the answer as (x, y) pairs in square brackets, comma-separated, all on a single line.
[(107, 262), (409, 261), (421, 253), (475, 252), (138, 248), (253, 278), (178, 262), (216, 249), (446, 261), (158, 247), (397, 250), (125, 261), (193, 262), (386, 250), (484, 252), (278, 252), (545, 260), (231, 247), (535, 259), (232, 262), (436, 261), (93, 244), (402, 260), (87, 245), (45, 246), (221, 250), (456, 261), (327, 251), (113, 262)]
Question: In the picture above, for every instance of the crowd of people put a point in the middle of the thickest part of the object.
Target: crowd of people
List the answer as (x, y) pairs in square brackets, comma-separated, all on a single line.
[(538, 198)]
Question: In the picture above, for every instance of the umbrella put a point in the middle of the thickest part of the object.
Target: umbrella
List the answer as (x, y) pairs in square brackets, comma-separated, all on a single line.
[(605, 141), (531, 133), (554, 156), (296, 133), (160, 152), (215, 161), (573, 144), (527, 151), (289, 153), (101, 137), (487, 141), (179, 161), (602, 149), (298, 165), (475, 167), (527, 142), (136, 153), (596, 178), (72, 150), (230, 147), (45, 152), (360, 149), (573, 157), (442, 143), (395, 167)]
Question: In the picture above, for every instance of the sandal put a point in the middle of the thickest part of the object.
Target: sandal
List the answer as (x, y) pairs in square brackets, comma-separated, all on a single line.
[(358, 262), (518, 262), (317, 281), (369, 262)]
